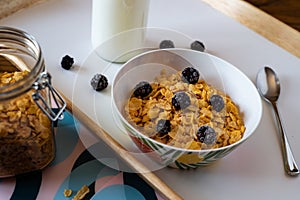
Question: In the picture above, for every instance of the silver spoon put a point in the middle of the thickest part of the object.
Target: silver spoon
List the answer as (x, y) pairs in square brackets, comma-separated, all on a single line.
[(268, 86)]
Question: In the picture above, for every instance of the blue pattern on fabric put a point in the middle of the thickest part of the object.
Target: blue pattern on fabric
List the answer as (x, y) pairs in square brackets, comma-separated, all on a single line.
[(85, 171), (118, 192), (22, 191), (135, 181), (84, 174), (66, 138)]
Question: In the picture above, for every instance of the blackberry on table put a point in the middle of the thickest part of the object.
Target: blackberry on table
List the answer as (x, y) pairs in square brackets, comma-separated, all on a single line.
[(142, 89), (198, 46), (181, 100), (190, 75), (165, 44), (99, 82), (163, 126), (217, 102), (206, 134), (67, 62)]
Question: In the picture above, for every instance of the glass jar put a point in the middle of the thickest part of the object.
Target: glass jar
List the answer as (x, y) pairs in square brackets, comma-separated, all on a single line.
[(26, 100)]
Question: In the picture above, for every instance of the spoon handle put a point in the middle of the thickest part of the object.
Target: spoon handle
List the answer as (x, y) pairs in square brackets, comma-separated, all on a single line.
[(289, 162)]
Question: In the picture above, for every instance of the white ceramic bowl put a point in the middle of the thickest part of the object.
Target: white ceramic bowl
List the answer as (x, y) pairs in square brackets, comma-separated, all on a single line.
[(215, 71)]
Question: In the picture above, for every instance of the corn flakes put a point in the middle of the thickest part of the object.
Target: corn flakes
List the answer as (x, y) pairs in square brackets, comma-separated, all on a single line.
[(26, 141), (84, 190), (226, 121)]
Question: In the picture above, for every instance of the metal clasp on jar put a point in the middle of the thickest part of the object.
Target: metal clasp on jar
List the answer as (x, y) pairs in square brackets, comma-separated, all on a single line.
[(42, 84)]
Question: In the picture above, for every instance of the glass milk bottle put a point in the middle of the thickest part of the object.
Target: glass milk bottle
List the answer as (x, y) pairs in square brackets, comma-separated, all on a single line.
[(117, 27)]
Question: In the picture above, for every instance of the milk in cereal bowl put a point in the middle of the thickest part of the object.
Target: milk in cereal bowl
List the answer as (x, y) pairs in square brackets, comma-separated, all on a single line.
[(187, 108)]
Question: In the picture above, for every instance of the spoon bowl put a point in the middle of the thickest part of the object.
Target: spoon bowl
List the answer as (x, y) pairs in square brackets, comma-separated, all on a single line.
[(268, 86)]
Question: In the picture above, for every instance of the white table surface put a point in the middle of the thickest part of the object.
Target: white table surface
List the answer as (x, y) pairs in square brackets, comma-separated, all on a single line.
[(254, 170)]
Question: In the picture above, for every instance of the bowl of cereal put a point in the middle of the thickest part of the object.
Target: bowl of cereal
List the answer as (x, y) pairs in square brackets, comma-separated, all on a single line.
[(185, 108)]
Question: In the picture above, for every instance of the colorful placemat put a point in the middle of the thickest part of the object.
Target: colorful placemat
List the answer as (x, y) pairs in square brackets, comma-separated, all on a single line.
[(74, 167)]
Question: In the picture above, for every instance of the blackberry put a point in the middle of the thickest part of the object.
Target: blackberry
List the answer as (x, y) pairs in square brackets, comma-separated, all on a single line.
[(163, 126), (198, 46), (142, 89), (217, 102), (67, 62), (190, 75), (206, 134), (99, 82), (181, 100), (165, 44)]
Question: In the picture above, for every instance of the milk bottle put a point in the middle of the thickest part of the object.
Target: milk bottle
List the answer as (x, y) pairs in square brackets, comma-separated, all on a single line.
[(117, 27)]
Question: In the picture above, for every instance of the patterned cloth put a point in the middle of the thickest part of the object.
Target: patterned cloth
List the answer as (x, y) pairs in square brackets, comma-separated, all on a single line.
[(73, 167)]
